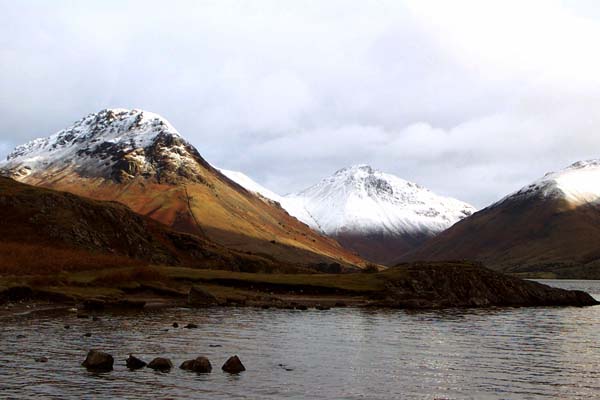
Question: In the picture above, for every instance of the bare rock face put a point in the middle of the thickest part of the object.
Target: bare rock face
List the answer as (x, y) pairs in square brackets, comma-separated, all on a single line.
[(98, 361), (161, 364), (200, 297), (134, 363), (200, 365), (233, 365)]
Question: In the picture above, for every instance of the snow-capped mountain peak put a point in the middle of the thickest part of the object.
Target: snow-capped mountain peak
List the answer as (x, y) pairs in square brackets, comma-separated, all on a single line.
[(115, 144), (364, 181), (578, 183), (363, 199)]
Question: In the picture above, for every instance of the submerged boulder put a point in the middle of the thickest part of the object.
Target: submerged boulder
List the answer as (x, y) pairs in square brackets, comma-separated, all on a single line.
[(134, 363), (199, 364), (161, 364), (233, 365), (98, 361), (94, 304)]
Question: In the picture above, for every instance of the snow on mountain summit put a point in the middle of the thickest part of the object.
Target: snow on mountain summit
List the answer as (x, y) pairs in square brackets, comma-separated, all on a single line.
[(360, 199), (578, 183), (114, 143), (363, 199)]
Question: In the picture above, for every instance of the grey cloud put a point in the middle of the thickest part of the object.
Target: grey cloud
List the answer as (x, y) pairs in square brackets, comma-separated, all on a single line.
[(289, 92)]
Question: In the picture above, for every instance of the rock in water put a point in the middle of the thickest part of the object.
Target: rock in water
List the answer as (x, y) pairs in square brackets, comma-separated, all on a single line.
[(98, 361), (187, 365), (41, 359), (161, 364), (200, 297), (200, 365), (94, 304), (191, 326), (233, 365), (134, 363)]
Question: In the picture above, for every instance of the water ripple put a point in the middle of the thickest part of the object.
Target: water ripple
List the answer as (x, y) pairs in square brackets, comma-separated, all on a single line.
[(535, 353)]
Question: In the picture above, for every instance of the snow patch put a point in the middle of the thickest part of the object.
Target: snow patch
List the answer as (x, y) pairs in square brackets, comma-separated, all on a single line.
[(578, 183)]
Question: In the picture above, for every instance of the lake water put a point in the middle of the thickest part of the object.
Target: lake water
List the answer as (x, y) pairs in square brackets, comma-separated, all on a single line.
[(514, 353)]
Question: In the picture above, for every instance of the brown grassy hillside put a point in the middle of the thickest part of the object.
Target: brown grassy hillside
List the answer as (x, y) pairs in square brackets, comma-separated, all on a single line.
[(523, 236), (45, 231), (219, 209)]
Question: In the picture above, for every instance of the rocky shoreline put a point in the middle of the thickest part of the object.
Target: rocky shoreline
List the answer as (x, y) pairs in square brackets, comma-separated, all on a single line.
[(408, 286)]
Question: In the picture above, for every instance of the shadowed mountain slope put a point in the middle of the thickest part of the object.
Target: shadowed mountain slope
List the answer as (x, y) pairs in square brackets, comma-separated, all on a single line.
[(551, 227), (44, 230)]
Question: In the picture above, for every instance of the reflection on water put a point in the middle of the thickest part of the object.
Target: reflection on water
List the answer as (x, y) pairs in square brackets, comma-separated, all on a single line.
[(336, 354)]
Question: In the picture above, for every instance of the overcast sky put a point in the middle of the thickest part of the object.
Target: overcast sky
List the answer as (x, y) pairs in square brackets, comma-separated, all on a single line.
[(470, 99)]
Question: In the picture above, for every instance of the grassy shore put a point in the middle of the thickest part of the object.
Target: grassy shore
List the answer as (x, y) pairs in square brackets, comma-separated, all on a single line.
[(416, 285), (174, 283)]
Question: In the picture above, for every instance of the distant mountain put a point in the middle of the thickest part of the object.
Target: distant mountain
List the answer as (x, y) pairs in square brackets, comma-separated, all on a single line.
[(378, 215), (549, 226), (139, 159)]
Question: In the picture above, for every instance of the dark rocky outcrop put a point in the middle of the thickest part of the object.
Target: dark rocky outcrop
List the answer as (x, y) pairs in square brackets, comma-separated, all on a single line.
[(199, 364), (134, 363), (233, 365), (161, 364), (16, 293), (461, 284), (200, 297), (98, 361)]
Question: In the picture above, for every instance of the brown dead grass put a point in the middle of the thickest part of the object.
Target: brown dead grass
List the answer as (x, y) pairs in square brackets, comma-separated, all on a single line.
[(32, 259)]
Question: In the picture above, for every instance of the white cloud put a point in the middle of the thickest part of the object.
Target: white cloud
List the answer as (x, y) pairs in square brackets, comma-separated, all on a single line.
[(469, 98)]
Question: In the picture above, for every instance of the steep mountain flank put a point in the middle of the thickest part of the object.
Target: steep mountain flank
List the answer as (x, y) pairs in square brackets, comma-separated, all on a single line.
[(137, 158), (550, 227), (45, 230)]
